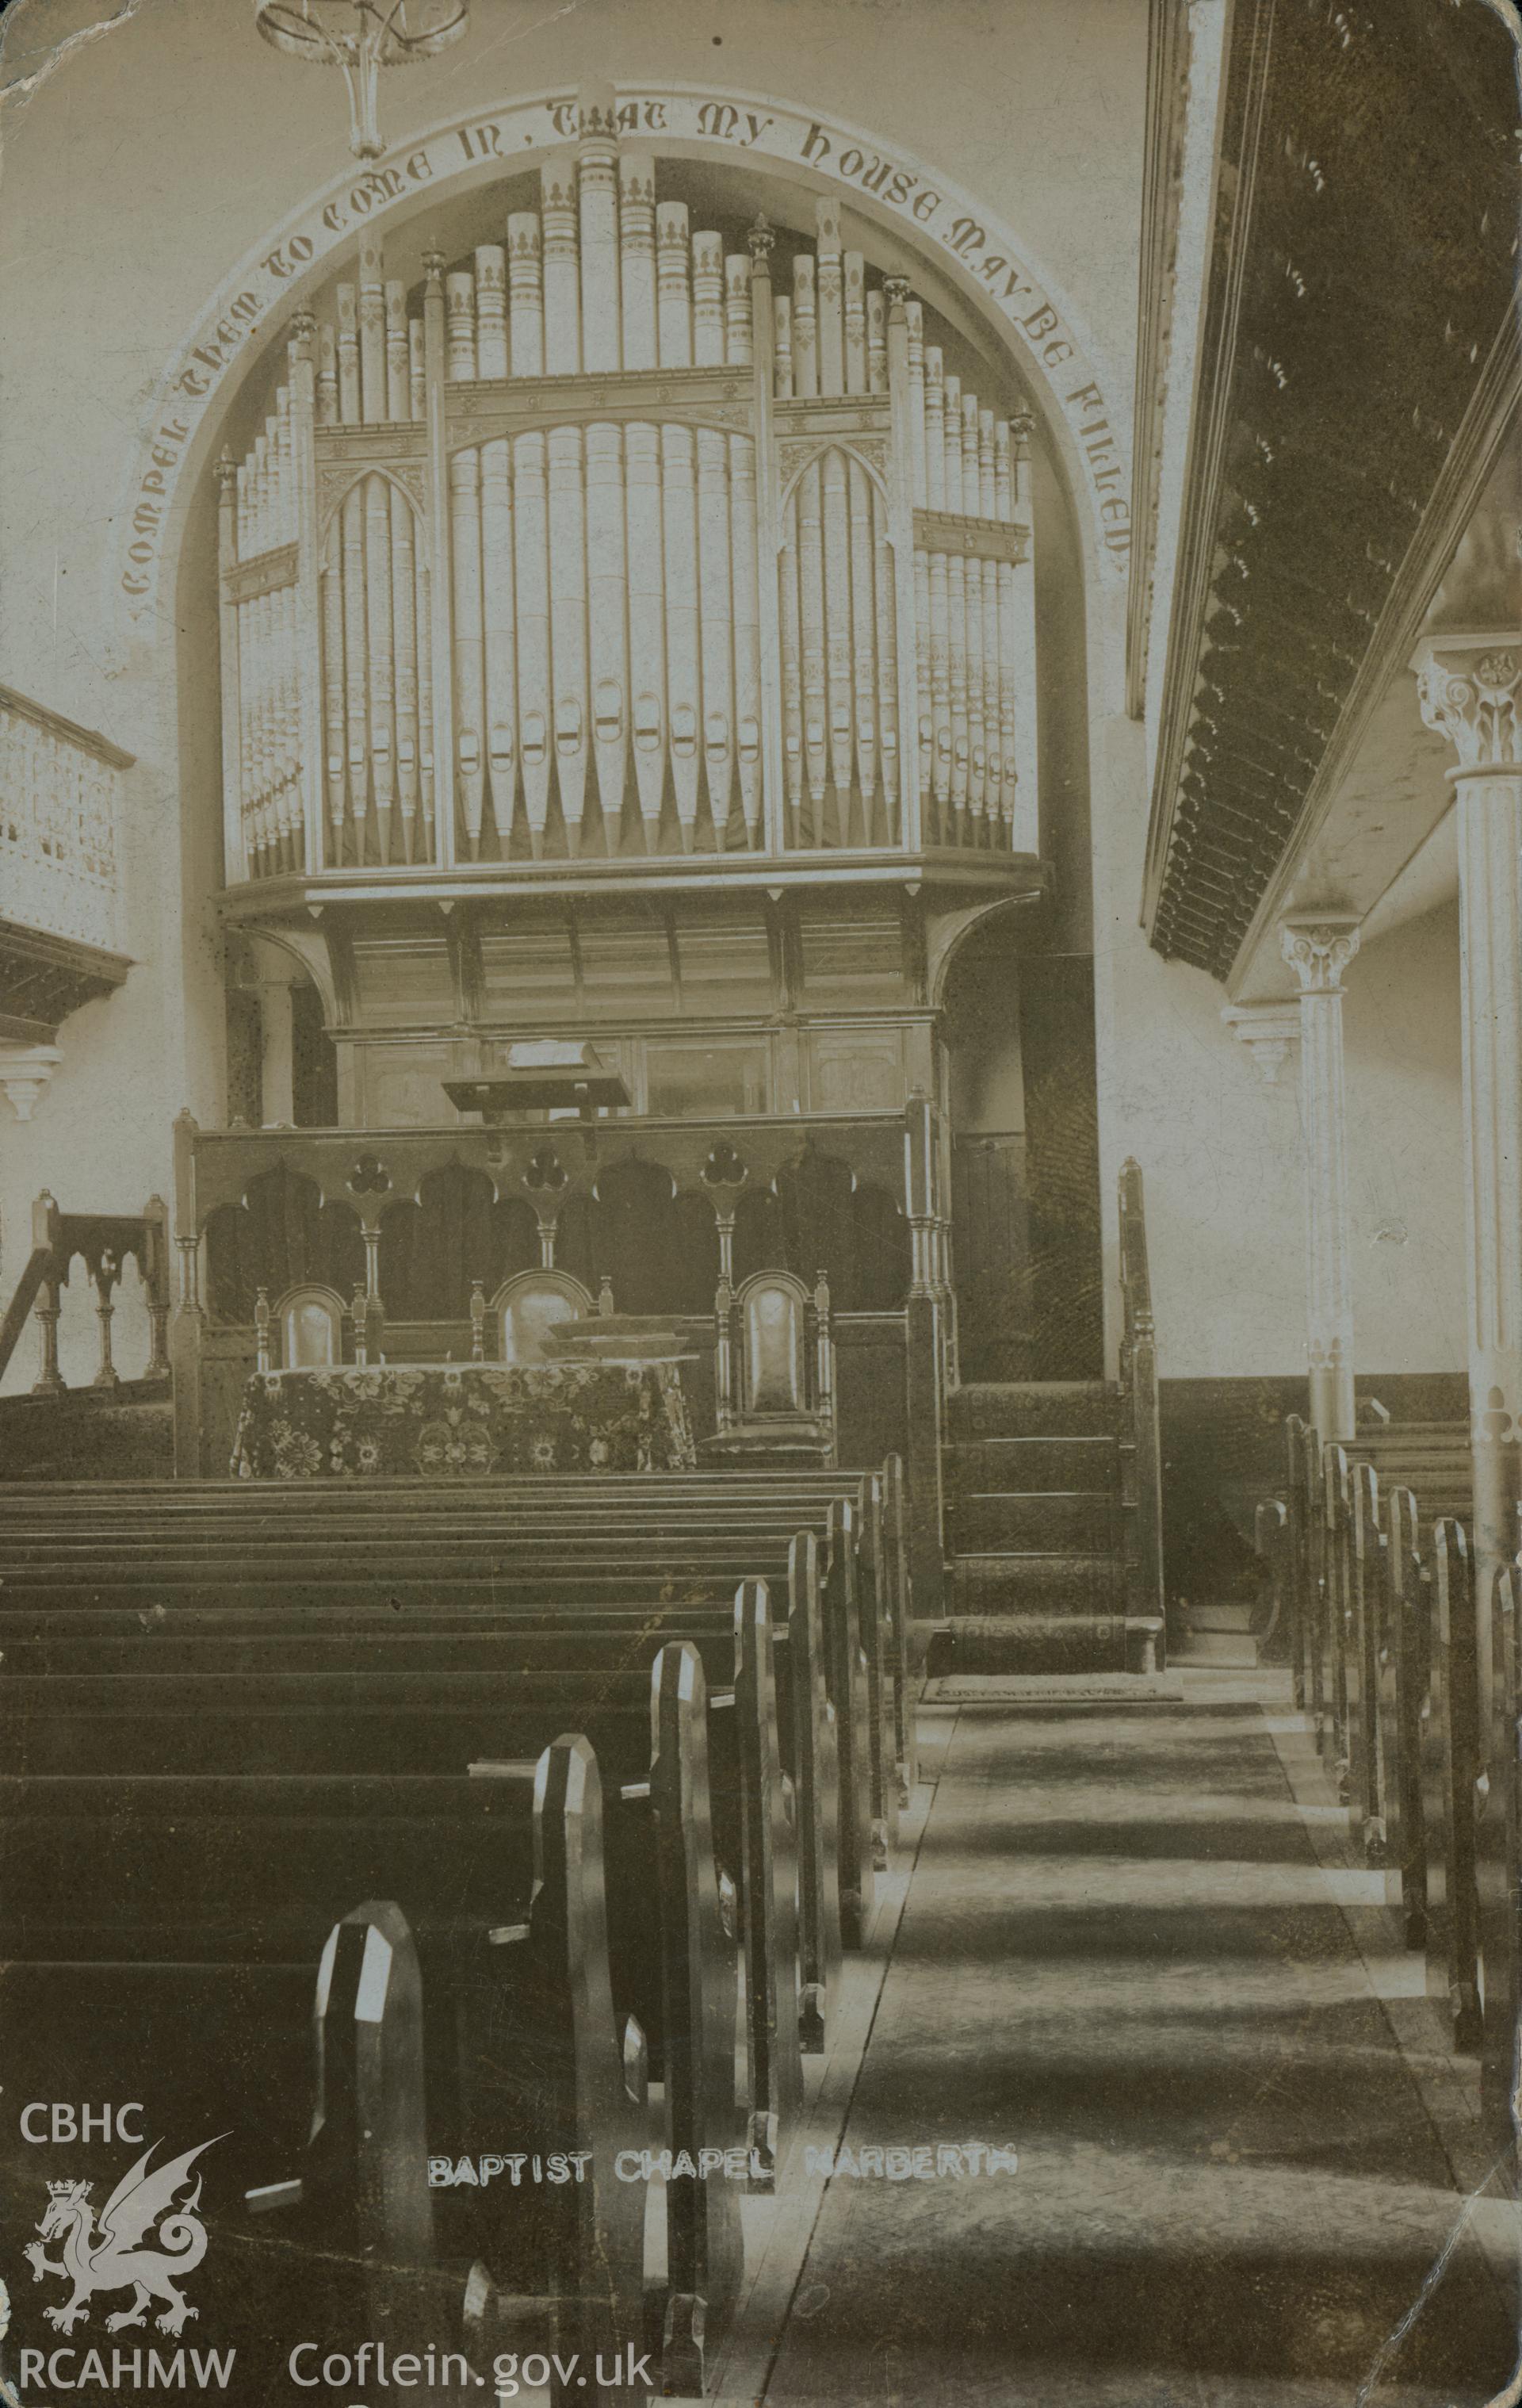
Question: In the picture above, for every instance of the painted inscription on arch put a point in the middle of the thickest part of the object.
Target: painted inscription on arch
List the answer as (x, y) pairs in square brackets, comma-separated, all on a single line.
[(935, 211)]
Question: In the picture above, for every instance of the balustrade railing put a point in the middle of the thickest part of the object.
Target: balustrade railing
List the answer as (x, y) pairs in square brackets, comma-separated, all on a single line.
[(60, 811), (102, 1241)]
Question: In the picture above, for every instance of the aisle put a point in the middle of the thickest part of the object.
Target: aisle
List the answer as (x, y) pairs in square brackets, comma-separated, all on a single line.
[(1120, 1955)]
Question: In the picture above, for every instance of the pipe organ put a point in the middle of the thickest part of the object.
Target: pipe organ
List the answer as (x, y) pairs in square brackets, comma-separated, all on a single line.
[(621, 543)]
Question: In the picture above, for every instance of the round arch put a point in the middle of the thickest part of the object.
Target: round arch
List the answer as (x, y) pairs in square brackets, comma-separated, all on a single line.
[(965, 262)]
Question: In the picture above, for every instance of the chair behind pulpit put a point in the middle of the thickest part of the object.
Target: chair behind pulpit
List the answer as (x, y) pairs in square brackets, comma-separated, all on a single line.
[(307, 1323), (774, 1370), (525, 1309)]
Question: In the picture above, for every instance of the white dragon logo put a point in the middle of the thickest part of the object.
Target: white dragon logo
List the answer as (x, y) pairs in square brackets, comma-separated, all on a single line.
[(109, 2259)]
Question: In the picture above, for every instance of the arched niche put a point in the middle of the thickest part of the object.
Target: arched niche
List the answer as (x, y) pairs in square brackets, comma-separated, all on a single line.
[(462, 203), (457, 1232), (282, 1234), (814, 1216), (767, 154)]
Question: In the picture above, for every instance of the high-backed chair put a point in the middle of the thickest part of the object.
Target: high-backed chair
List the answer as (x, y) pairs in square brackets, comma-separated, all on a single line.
[(774, 1370), (529, 1305), (307, 1323)]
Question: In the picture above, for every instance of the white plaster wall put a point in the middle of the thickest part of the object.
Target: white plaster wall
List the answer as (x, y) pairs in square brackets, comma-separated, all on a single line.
[(1403, 1063), (141, 162), (1221, 1152)]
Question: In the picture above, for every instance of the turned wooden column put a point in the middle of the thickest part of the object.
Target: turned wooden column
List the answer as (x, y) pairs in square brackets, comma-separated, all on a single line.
[(1468, 690), (1318, 948)]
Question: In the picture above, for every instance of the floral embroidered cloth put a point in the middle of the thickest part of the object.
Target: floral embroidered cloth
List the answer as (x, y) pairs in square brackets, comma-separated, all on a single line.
[(464, 1420)]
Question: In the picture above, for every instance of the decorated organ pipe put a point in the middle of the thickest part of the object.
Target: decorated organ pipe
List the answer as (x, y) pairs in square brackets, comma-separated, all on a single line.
[(499, 636), (568, 622), (646, 622), (1018, 638), (791, 610), (372, 332), (608, 637), (673, 334), (597, 202), (583, 584), (530, 504), (885, 597), (977, 750), (715, 542), (863, 515), (404, 600), (398, 386), (636, 257), (739, 351), (955, 596)]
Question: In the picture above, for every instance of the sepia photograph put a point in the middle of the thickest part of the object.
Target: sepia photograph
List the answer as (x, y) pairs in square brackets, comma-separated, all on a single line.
[(761, 1203)]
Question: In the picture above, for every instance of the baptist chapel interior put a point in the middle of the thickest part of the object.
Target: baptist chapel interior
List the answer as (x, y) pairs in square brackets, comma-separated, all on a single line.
[(760, 1038)]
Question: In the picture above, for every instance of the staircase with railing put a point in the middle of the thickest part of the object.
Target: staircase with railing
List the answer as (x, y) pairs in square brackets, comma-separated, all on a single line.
[(1054, 1494)]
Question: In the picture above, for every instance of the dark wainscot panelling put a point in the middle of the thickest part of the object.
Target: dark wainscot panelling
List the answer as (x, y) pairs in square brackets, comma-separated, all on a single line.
[(1223, 1450)]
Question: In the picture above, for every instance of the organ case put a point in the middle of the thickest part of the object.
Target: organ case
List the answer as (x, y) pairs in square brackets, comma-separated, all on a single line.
[(621, 550)]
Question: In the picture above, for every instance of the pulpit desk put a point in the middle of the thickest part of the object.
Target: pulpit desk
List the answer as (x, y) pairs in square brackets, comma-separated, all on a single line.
[(463, 1420)]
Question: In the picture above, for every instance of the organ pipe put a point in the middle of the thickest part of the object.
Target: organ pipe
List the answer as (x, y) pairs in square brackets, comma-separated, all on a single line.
[(404, 584), (530, 522), (380, 655), (608, 661), (597, 198), (568, 622), (398, 387), (372, 330), (636, 257), (646, 622), (498, 633), (587, 606)]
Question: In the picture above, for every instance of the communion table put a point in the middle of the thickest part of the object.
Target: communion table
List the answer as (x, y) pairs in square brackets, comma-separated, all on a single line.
[(463, 1420)]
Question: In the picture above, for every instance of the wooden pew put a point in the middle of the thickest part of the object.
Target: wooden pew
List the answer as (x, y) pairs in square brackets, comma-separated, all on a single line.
[(435, 1716), (550, 1584), (646, 1544), (1497, 1850), (1404, 1673), (1356, 1609), (813, 1665), (1365, 1608), (1304, 1500), (372, 2254), (153, 1861), (1337, 1577)]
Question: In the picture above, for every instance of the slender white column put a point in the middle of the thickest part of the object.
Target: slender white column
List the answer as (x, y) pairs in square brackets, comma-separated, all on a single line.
[(1467, 689), (1318, 949)]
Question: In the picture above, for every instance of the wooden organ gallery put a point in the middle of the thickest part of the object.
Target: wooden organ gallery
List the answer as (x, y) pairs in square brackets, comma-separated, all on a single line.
[(498, 575)]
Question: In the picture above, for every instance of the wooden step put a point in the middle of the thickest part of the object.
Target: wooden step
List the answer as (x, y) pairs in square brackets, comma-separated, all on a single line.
[(1031, 1643), (1063, 1523), (1026, 1464), (1001, 1583), (1037, 1409)]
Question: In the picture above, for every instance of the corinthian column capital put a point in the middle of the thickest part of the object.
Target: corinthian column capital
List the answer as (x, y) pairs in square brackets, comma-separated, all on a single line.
[(1467, 687), (1318, 949)]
